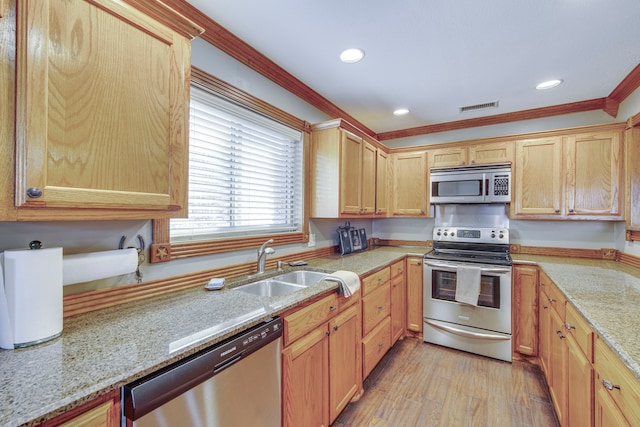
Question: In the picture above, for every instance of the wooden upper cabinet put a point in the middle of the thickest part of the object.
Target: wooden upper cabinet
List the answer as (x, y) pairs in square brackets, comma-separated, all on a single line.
[(368, 179), (345, 177), (632, 177), (480, 154), (538, 177), (578, 176), (410, 195), (594, 174), (350, 173), (101, 108), (382, 183)]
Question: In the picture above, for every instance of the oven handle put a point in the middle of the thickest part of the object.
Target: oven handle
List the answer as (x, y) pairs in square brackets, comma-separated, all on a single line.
[(466, 333), (453, 267)]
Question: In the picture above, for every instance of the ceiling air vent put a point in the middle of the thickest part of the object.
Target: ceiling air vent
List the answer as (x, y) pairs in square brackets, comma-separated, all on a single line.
[(492, 104)]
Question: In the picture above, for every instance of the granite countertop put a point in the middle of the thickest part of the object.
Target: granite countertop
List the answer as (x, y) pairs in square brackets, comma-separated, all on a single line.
[(606, 293), (101, 351)]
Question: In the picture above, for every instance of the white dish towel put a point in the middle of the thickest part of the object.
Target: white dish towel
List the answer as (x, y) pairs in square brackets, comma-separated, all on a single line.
[(349, 281), (468, 285)]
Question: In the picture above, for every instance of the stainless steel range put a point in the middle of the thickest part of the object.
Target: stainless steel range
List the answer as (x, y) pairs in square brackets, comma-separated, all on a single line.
[(467, 290)]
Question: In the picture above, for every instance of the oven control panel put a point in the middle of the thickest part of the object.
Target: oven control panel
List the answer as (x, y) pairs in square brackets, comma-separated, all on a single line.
[(471, 235)]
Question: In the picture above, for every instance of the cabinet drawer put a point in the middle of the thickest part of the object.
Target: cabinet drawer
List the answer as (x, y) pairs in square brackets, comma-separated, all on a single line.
[(300, 322), (626, 388), (554, 297), (397, 269), (580, 330), (373, 282), (375, 345), (375, 307)]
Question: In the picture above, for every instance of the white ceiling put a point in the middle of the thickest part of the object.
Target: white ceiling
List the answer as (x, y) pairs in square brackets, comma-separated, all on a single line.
[(435, 56)]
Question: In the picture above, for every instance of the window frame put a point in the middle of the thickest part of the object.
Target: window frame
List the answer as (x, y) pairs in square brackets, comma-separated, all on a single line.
[(163, 250)]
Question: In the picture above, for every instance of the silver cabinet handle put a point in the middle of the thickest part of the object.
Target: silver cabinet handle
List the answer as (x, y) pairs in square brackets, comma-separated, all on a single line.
[(551, 299), (569, 326), (333, 308), (34, 192), (380, 307), (609, 385)]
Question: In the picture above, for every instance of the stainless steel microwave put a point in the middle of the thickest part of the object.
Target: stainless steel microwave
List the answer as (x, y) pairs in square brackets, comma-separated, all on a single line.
[(471, 184)]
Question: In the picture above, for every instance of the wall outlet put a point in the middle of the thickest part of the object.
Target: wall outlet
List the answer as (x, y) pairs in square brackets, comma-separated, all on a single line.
[(312, 240)]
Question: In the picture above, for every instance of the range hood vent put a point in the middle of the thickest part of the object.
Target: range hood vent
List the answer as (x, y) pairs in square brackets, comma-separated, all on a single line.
[(492, 104)]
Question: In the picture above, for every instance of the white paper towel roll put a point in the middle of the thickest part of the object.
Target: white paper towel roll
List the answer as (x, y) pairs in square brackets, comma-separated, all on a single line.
[(6, 330), (82, 268), (33, 289)]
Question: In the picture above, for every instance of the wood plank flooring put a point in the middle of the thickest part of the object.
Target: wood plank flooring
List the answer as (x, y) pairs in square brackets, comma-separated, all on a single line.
[(420, 384)]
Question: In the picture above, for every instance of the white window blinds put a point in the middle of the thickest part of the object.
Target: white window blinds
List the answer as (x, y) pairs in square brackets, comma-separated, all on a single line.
[(245, 173)]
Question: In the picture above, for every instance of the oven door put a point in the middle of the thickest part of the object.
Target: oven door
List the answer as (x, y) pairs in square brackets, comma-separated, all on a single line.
[(493, 312)]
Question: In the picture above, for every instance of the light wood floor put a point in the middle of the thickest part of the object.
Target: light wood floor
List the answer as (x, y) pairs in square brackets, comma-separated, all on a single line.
[(420, 384)]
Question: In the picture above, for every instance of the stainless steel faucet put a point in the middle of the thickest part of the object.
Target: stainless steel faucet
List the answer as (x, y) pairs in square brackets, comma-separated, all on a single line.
[(263, 251)]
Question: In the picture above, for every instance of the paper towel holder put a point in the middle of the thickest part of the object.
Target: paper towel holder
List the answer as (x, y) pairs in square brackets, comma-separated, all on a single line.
[(140, 250)]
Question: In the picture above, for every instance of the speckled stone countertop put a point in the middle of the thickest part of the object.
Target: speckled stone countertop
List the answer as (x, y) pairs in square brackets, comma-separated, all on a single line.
[(606, 293), (101, 351)]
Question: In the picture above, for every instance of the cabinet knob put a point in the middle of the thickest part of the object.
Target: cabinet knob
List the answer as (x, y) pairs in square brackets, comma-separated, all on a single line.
[(557, 211), (571, 210), (335, 328), (569, 326), (380, 307), (333, 308), (328, 333), (552, 300), (381, 345), (34, 192)]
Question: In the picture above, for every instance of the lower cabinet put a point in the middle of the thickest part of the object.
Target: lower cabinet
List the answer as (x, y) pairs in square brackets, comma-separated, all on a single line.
[(103, 412), (398, 301), (414, 295), (525, 317), (321, 360), (376, 318), (617, 390)]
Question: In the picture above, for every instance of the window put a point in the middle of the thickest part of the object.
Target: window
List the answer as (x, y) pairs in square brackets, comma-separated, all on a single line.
[(245, 173)]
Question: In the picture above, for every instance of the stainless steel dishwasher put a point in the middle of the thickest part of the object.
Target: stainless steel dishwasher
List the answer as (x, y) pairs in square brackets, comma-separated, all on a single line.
[(234, 383)]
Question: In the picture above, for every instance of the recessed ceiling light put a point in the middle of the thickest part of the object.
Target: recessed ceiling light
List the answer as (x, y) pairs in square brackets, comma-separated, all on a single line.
[(400, 112), (548, 84), (352, 55)]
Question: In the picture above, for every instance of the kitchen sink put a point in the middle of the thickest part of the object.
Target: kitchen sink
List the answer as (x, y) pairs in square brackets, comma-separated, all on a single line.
[(270, 288), (301, 277)]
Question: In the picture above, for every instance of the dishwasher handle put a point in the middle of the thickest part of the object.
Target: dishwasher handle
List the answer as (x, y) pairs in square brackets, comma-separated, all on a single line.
[(149, 393)]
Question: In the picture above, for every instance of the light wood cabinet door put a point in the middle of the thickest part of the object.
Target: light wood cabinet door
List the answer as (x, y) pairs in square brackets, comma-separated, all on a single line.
[(632, 177), (382, 183), (579, 386), (350, 173), (525, 311), (414, 294), (558, 367), (102, 108), (607, 413), (398, 301), (452, 156), (375, 345), (594, 174), (539, 177), (344, 360), (368, 179), (498, 152), (305, 380), (410, 195), (544, 334), (104, 411)]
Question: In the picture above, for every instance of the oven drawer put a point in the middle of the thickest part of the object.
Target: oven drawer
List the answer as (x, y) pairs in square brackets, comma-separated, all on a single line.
[(375, 307), (375, 345)]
